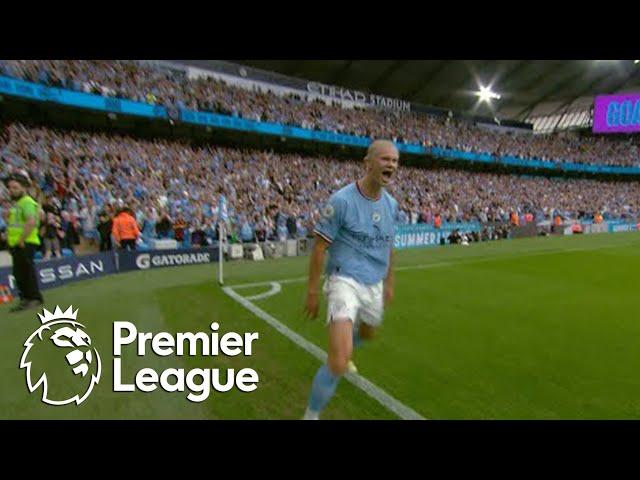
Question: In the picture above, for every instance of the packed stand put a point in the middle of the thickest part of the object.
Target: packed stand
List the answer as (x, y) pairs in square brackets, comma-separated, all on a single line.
[(155, 85), (171, 189)]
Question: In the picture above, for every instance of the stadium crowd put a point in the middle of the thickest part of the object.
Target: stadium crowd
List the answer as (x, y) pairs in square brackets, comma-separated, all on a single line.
[(172, 189), (151, 84)]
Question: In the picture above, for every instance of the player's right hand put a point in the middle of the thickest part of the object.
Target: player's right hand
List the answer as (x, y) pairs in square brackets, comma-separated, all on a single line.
[(312, 305)]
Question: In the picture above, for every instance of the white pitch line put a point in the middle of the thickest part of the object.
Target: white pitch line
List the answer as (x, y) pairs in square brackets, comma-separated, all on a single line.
[(259, 284), (365, 385), (275, 289)]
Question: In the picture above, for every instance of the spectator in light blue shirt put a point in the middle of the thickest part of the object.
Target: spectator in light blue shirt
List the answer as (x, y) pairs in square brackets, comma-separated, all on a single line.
[(300, 228), (282, 232), (246, 231)]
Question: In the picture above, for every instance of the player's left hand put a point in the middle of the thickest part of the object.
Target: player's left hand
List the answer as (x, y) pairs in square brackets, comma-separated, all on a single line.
[(388, 294), (312, 305)]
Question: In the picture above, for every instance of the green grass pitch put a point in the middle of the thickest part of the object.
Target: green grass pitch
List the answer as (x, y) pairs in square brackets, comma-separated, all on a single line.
[(541, 328)]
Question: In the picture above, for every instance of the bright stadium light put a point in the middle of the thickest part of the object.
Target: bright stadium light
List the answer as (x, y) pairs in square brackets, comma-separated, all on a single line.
[(636, 61), (486, 94)]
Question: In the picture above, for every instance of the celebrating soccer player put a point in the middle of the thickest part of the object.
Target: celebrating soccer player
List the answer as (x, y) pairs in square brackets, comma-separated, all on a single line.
[(357, 229)]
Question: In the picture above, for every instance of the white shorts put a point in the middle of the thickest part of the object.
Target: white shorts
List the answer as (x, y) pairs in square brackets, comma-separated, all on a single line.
[(349, 299)]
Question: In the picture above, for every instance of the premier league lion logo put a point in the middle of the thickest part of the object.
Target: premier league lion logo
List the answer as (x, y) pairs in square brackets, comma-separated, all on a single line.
[(59, 357)]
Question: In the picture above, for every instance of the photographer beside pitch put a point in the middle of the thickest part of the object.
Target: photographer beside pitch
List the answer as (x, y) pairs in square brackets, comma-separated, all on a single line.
[(23, 240), (357, 229)]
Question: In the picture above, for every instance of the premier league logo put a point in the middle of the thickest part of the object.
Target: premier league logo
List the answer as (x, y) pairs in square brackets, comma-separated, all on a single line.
[(60, 359)]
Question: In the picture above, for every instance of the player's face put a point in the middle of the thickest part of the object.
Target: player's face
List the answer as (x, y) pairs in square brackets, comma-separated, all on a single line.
[(383, 164)]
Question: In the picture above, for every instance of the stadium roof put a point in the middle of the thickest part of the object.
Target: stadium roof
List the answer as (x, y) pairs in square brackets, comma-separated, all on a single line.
[(528, 88)]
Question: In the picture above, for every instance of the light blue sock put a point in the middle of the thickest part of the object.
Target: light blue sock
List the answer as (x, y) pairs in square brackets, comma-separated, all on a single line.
[(322, 389)]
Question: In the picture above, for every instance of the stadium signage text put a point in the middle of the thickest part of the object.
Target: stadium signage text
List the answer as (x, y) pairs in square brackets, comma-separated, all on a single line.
[(166, 258), (617, 113), (425, 235), (358, 97), (145, 260), (68, 271), (60, 271), (616, 227), (623, 114), (198, 382)]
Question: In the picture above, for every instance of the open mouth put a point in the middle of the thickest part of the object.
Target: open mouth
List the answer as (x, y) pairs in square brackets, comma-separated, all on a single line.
[(387, 174)]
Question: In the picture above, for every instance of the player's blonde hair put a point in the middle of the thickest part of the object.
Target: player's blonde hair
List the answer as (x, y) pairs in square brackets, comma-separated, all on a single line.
[(375, 145)]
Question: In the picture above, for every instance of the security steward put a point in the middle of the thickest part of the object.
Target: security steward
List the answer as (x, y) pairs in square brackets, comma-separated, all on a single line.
[(23, 240)]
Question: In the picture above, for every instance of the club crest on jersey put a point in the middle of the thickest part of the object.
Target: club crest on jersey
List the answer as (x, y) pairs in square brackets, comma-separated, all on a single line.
[(376, 217), (328, 211)]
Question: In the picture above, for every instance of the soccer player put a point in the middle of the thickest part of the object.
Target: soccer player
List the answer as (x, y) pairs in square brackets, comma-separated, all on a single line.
[(357, 230)]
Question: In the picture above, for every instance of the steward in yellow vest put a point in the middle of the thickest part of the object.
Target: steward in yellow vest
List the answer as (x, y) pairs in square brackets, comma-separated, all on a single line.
[(23, 240)]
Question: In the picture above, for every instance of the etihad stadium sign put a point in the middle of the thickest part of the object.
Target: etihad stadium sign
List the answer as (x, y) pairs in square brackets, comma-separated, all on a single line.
[(357, 97)]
